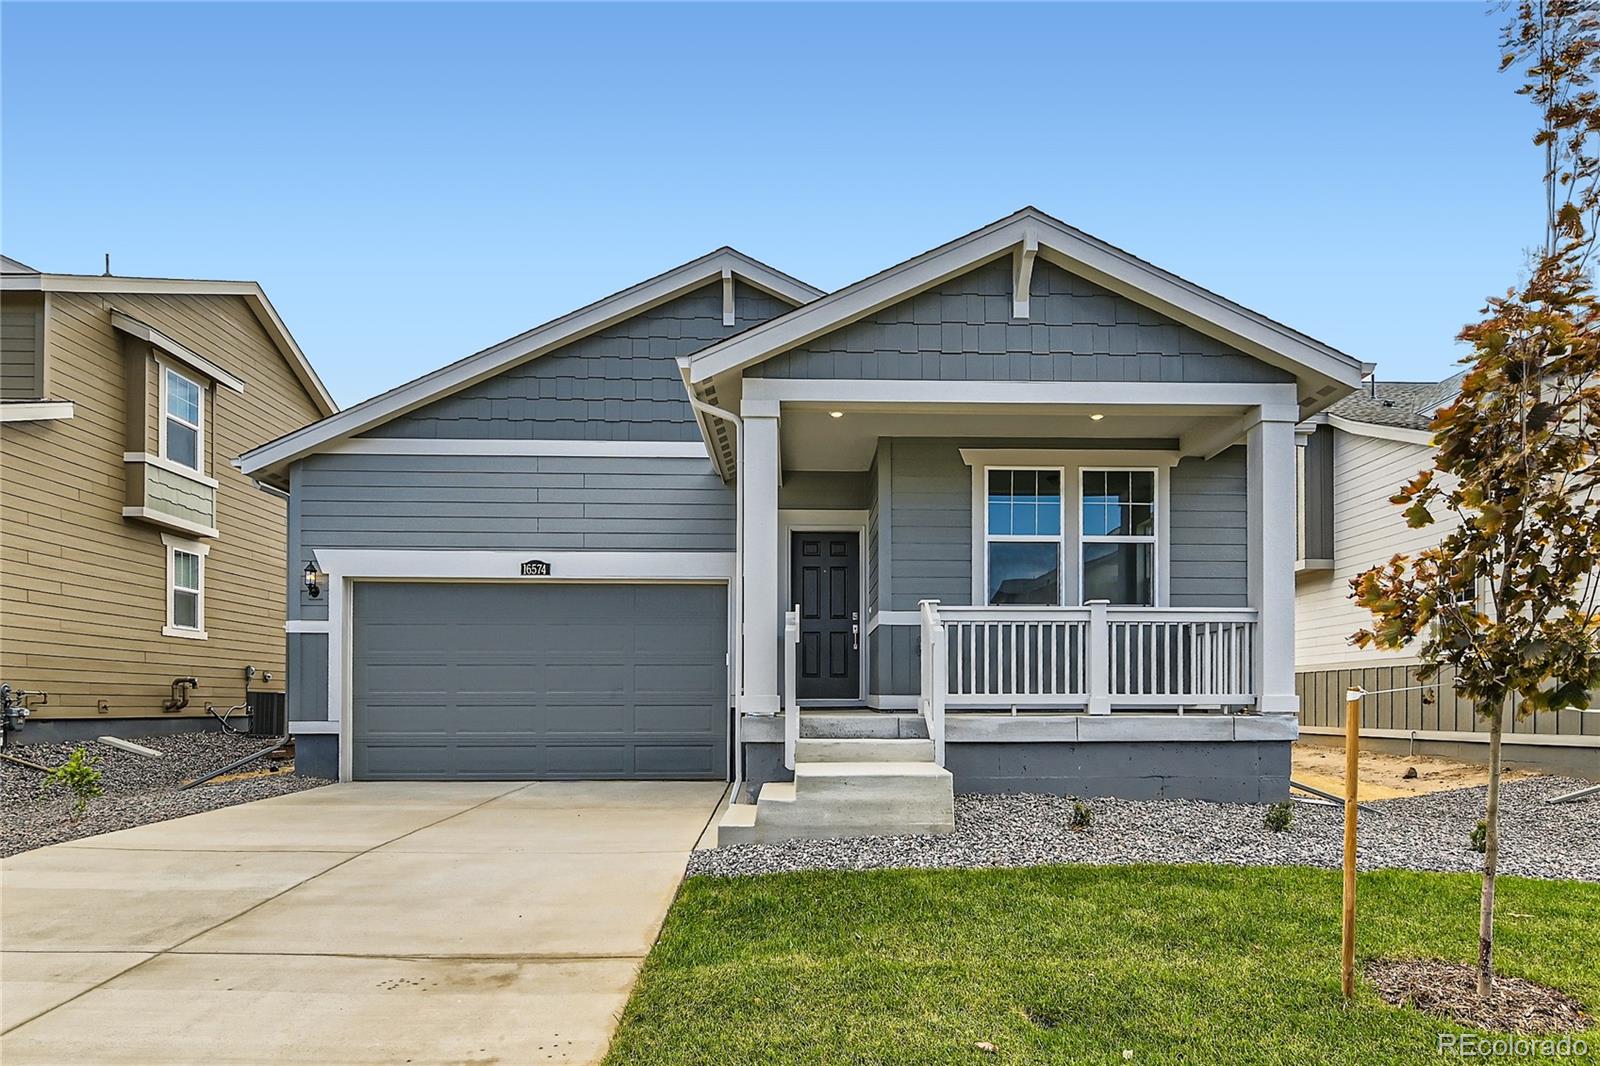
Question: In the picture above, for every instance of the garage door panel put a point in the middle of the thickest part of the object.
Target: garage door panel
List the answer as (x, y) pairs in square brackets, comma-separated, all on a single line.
[(682, 718), (533, 681), (562, 718), (675, 760)]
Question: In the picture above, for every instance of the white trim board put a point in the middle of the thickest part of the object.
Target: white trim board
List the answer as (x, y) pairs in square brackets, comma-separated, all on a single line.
[(621, 449), (1277, 400), (531, 344), (36, 410), (1072, 250), (1370, 429)]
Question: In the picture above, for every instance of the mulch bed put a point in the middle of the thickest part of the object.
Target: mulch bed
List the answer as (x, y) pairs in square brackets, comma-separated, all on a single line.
[(1450, 990)]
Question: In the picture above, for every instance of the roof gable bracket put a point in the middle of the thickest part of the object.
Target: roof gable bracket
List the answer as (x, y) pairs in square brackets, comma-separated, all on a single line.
[(727, 297), (1022, 274)]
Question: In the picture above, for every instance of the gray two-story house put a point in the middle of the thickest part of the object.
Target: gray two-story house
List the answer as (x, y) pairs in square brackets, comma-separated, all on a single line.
[(1017, 514)]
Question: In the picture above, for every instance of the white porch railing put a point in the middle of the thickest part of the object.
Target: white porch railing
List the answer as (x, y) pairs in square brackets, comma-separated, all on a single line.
[(930, 704), (791, 701), (1097, 656)]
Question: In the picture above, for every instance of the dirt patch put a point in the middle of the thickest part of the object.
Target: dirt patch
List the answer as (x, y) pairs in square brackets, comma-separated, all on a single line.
[(1384, 776), (1450, 990)]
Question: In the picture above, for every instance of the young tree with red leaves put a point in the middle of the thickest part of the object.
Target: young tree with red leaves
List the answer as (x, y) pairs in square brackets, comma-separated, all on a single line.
[(1507, 599)]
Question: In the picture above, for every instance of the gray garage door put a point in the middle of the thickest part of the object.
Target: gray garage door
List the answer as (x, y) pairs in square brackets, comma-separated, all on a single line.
[(511, 682)]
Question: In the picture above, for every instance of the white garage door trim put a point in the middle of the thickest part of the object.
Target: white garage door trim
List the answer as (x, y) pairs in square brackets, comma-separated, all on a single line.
[(345, 566)]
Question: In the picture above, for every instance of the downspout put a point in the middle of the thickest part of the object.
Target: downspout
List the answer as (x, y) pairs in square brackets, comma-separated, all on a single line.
[(736, 650)]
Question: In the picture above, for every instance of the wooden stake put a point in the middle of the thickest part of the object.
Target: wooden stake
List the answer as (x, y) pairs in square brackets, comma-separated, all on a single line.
[(1352, 754)]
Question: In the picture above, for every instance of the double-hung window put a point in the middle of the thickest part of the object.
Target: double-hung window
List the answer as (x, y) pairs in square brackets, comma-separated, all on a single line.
[(186, 595), (1119, 536), (1022, 536), (182, 419)]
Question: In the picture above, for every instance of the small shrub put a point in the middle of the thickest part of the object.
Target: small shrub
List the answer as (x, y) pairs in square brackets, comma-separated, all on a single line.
[(1280, 816), (1479, 840), (79, 777), (1082, 815)]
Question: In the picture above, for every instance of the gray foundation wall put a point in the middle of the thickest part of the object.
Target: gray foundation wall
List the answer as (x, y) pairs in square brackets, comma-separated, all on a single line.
[(1226, 772), (317, 755)]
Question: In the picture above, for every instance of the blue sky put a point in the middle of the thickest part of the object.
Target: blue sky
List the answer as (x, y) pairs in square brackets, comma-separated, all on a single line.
[(414, 182)]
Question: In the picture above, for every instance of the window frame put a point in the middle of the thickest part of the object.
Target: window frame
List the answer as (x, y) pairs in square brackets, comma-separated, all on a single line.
[(1153, 538), (173, 545), (199, 425), (1060, 538)]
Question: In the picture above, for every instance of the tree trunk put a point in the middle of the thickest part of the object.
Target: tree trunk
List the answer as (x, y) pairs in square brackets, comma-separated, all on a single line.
[(1491, 857)]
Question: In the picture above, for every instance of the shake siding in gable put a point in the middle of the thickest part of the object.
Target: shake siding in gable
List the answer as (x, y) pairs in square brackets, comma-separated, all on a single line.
[(619, 384), (962, 330)]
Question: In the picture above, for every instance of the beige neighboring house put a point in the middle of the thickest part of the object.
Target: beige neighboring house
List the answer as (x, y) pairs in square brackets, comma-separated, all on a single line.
[(1353, 457), (133, 553)]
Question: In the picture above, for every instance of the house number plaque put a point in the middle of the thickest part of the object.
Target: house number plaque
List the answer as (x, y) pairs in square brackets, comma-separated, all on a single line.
[(535, 568)]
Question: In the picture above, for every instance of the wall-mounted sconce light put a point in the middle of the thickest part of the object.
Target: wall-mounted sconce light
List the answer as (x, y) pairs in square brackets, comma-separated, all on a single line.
[(313, 580)]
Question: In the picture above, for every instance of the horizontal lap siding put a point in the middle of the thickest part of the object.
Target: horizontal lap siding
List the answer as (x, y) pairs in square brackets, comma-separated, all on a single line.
[(85, 588), (1367, 530), (962, 330), (553, 503), (1210, 532), (619, 384), (930, 531), (21, 331)]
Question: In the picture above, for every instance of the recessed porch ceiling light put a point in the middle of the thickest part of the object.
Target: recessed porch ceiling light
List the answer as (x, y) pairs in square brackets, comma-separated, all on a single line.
[(835, 414), (1096, 417)]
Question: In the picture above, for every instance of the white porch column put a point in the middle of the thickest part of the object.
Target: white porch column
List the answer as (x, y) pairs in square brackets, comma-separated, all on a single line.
[(1272, 507), (761, 613)]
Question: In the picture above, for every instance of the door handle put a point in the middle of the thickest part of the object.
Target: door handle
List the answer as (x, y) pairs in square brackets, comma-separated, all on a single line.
[(855, 631)]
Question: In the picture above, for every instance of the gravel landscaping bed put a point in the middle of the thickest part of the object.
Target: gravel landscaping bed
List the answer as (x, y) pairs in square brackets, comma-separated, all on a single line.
[(1427, 833), (138, 790)]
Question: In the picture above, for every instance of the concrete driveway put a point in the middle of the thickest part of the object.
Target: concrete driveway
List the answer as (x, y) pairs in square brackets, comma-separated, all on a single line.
[(359, 923)]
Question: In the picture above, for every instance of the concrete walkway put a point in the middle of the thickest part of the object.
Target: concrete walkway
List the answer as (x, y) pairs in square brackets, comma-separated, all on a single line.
[(358, 923)]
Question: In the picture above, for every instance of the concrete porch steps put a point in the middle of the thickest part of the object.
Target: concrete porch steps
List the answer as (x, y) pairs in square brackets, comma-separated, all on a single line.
[(847, 787), (839, 749)]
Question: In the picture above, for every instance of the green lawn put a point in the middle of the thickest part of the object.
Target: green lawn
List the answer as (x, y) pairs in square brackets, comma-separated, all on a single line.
[(1183, 964)]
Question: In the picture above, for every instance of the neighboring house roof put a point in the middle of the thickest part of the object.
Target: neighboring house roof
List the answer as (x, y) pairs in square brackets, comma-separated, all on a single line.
[(26, 279), (1388, 403), (1324, 372), (725, 262), (9, 265), (1398, 410)]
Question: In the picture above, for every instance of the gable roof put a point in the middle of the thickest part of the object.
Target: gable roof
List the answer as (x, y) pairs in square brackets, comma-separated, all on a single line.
[(274, 456), (28, 280), (9, 265), (1323, 371)]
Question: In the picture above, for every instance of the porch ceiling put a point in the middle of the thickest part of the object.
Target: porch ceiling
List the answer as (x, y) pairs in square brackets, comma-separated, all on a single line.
[(812, 439)]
